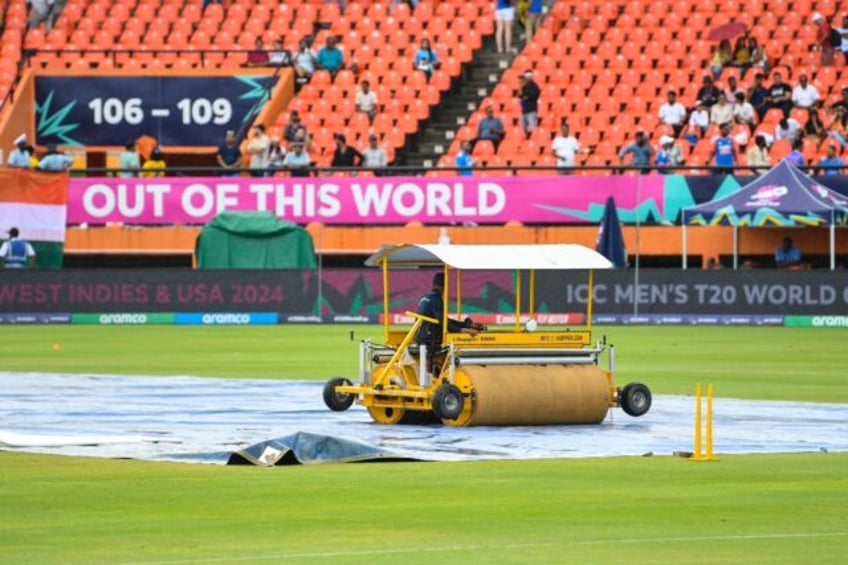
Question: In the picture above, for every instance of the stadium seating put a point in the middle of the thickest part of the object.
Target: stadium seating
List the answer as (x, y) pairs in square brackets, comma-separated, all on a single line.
[(605, 67), (144, 34)]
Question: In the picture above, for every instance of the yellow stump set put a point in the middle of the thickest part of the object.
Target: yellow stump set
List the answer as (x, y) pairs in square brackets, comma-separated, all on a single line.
[(703, 452)]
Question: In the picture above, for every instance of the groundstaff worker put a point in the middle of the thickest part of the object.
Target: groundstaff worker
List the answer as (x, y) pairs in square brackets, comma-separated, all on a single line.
[(17, 253)]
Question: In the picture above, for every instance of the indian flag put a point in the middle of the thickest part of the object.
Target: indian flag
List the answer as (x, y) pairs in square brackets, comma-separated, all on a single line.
[(36, 204)]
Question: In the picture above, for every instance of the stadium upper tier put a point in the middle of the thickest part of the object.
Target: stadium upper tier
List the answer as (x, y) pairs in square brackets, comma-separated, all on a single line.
[(605, 66)]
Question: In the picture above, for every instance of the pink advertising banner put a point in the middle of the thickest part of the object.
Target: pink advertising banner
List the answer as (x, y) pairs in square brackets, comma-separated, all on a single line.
[(352, 200)]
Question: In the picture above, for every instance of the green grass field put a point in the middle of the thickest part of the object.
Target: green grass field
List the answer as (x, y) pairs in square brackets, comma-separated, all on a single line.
[(742, 509)]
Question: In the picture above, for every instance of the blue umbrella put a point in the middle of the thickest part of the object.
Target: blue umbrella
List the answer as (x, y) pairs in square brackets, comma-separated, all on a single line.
[(610, 239)]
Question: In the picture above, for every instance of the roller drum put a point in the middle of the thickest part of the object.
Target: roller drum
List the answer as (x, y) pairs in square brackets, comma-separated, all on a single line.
[(533, 395)]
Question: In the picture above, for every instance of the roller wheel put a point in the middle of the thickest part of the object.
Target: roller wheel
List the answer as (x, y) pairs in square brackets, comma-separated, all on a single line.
[(386, 414), (448, 402), (337, 401), (635, 399)]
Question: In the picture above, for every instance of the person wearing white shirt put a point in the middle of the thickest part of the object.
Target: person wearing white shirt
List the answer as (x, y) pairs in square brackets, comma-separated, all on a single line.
[(673, 113), (257, 148), (804, 95), (787, 128), (743, 111), (721, 113), (366, 100), (700, 118), (565, 148), (374, 156), (19, 157)]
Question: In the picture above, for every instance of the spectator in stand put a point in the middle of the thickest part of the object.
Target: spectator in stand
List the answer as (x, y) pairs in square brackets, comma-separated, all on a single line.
[(724, 151), (787, 128), (275, 156), (758, 156), (743, 112), (838, 126), (669, 154), (779, 96), (291, 128), (229, 155), (722, 56), (279, 56), (297, 161), (374, 157), (787, 256), (843, 32), (732, 88), (842, 102), (304, 62), (641, 150), (55, 161), (528, 95), (490, 128), (824, 42), (426, 59), (155, 166), (757, 95), (741, 55), (673, 113), (33, 158), (504, 18), (699, 121), (411, 3), (366, 101), (301, 136), (16, 253), (464, 162), (814, 128), (805, 95), (565, 148), (759, 61), (330, 57), (533, 19), (129, 161), (257, 149), (345, 155), (831, 164), (259, 56), (708, 93), (721, 113), (20, 156), (796, 156), (42, 12)]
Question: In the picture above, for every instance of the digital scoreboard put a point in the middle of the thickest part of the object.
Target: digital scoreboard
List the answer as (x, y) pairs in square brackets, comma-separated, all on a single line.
[(109, 110)]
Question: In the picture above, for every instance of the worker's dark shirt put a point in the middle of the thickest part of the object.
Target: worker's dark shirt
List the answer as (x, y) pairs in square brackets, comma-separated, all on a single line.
[(432, 306)]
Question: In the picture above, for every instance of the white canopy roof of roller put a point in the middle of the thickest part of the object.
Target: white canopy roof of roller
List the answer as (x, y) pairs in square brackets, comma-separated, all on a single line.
[(491, 257)]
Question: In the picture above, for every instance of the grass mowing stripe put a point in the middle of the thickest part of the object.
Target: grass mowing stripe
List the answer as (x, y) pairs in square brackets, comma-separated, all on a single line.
[(431, 549)]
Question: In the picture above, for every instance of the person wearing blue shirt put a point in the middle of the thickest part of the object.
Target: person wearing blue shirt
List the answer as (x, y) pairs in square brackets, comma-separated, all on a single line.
[(55, 161), (19, 157), (640, 149), (796, 157), (229, 155), (787, 255), (491, 128), (831, 164), (724, 151), (330, 58), (464, 162), (426, 59), (17, 253)]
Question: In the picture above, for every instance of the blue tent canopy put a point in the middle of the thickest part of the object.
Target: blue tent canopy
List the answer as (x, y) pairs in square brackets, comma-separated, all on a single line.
[(784, 196)]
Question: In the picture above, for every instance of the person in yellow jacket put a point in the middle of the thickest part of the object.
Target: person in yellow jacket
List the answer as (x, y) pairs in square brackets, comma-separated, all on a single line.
[(155, 166)]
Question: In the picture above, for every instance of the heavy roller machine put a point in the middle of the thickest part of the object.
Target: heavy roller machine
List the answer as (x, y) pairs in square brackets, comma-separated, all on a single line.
[(523, 375)]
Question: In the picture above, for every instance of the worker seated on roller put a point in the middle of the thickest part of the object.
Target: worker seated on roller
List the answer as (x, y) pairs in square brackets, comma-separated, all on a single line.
[(432, 306)]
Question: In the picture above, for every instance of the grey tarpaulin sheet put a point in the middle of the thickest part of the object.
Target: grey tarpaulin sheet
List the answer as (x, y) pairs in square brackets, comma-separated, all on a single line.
[(207, 420)]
